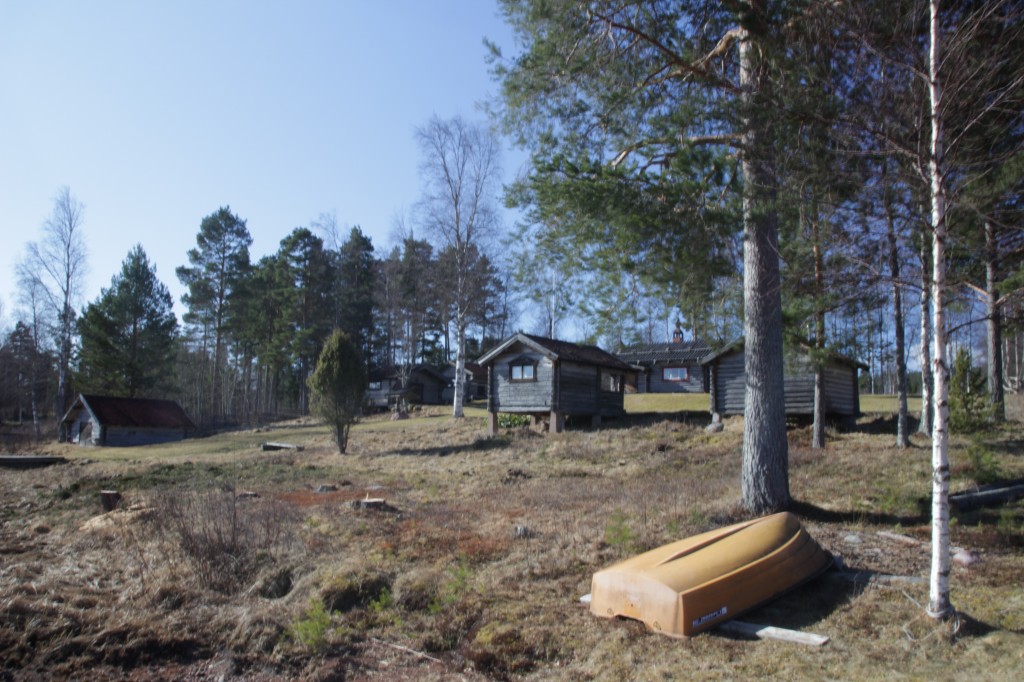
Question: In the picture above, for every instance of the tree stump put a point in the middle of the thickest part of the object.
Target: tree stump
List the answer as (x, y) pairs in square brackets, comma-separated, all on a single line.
[(110, 499)]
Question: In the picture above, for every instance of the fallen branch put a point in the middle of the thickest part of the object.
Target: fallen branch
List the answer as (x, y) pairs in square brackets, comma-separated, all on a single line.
[(408, 650)]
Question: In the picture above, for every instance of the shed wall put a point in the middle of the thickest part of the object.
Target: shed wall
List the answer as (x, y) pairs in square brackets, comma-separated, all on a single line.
[(125, 437), (521, 396), (841, 397)]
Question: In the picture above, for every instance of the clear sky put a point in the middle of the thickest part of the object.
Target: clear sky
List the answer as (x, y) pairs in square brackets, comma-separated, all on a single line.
[(155, 114)]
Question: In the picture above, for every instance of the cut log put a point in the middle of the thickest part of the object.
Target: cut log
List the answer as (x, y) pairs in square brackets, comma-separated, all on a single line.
[(737, 627), (988, 496)]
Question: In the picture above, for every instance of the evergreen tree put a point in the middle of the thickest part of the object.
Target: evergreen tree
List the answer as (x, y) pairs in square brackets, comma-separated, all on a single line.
[(128, 334), (305, 283), (216, 265), (338, 386), (355, 289), (645, 102)]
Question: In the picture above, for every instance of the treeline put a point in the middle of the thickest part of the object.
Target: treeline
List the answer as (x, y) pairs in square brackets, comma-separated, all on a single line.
[(252, 330)]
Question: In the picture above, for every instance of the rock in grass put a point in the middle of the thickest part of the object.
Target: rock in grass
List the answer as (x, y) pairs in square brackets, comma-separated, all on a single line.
[(966, 558)]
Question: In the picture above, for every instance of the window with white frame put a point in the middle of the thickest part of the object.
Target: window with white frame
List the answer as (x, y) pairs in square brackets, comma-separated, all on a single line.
[(673, 374), (522, 369)]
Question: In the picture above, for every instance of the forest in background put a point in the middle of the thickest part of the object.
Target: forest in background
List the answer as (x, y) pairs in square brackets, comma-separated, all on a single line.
[(613, 251)]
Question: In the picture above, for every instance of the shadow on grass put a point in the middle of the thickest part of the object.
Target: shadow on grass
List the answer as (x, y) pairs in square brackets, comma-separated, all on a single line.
[(813, 512), (478, 445)]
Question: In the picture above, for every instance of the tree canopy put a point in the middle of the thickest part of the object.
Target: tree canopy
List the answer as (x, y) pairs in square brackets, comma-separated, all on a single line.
[(128, 334)]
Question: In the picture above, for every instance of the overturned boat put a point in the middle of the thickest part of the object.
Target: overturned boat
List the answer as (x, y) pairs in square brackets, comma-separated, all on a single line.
[(685, 587)]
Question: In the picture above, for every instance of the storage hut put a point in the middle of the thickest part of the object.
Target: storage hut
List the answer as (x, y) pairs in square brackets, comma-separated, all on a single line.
[(727, 382), (421, 385), (474, 388), (544, 377), (103, 420), (669, 367)]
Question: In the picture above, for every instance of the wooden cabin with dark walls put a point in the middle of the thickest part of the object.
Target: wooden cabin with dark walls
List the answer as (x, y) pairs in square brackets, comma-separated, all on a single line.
[(668, 367), (105, 420), (727, 381), (551, 379), (418, 385), (475, 382)]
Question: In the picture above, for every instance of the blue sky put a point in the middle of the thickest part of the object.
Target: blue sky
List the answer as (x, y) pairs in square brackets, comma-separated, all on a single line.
[(157, 113)]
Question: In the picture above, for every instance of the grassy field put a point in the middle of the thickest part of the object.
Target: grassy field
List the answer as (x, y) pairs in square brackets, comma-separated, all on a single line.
[(229, 562)]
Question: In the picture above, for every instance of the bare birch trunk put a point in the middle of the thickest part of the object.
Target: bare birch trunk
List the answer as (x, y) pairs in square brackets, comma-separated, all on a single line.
[(460, 366), (927, 382), (939, 604)]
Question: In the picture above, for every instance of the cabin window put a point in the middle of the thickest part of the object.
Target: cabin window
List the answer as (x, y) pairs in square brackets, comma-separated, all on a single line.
[(611, 382), (674, 374), (374, 386), (522, 370)]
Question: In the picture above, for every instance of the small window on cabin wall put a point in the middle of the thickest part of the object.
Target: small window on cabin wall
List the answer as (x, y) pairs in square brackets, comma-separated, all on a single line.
[(374, 386), (673, 374), (611, 382), (522, 369)]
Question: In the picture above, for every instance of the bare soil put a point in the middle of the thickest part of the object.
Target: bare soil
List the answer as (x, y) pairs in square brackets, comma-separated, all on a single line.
[(224, 562)]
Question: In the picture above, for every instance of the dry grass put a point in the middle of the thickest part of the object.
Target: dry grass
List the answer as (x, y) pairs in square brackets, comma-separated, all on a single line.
[(478, 561)]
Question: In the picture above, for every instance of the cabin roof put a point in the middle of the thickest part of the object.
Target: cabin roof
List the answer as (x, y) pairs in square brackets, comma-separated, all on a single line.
[(559, 350), (655, 353), (387, 373), (738, 344), (132, 412)]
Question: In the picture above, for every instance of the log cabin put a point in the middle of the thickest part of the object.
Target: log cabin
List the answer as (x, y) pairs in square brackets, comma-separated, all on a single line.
[(552, 379), (668, 367), (727, 381)]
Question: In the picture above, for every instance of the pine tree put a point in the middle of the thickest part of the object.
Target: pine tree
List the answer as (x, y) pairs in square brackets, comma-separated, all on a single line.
[(128, 334)]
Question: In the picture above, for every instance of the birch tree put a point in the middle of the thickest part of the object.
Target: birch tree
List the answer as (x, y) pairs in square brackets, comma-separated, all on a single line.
[(460, 171), (938, 595), (59, 264)]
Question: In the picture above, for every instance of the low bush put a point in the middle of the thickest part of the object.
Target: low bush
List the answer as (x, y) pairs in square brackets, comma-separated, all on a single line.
[(225, 540)]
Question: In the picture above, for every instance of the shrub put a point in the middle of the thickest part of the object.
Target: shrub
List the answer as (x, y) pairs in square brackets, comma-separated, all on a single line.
[(969, 409), (984, 467), (310, 631), (223, 540), (510, 421)]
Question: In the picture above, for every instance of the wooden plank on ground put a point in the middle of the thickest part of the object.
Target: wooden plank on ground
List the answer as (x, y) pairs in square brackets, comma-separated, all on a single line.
[(737, 627), (267, 447)]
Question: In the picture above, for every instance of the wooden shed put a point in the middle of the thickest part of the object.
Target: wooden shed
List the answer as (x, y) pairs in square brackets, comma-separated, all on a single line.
[(420, 385), (668, 367), (727, 381), (104, 420), (474, 388), (553, 379)]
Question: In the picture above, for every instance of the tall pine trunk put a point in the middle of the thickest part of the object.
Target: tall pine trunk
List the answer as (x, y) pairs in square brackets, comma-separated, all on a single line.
[(765, 470), (938, 603), (994, 326), (902, 429), (818, 430)]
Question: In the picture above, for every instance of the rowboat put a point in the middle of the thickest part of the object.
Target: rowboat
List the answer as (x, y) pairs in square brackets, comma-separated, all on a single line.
[(692, 585)]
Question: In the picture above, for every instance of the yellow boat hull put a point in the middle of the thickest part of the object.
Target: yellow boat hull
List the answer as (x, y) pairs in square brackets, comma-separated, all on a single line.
[(685, 587)]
